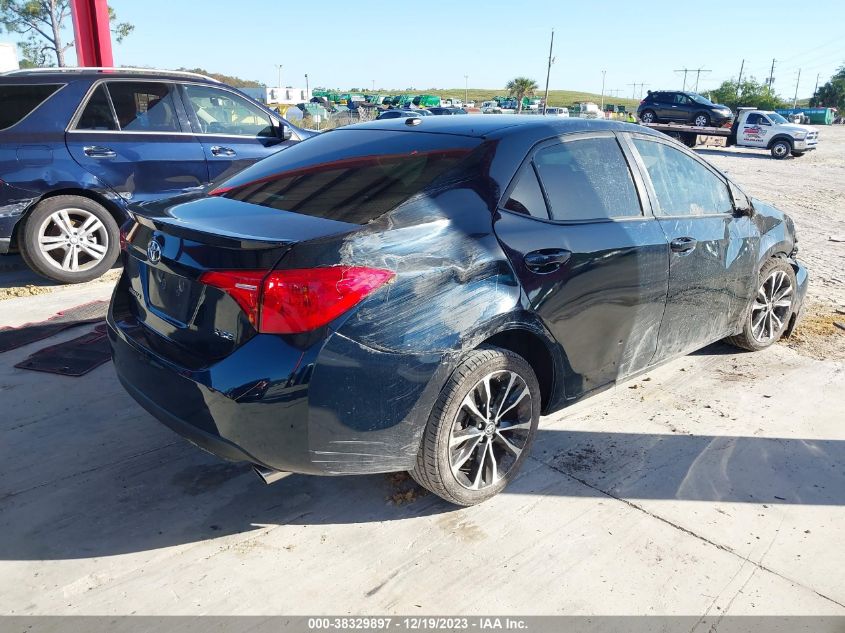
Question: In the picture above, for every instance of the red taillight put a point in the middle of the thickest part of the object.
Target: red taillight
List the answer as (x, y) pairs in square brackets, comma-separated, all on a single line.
[(300, 300)]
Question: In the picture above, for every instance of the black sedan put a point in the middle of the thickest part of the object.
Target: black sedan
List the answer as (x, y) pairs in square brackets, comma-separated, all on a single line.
[(682, 107), (414, 294)]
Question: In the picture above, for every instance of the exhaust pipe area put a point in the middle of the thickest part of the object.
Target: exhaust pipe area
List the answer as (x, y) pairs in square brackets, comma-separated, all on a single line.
[(268, 475)]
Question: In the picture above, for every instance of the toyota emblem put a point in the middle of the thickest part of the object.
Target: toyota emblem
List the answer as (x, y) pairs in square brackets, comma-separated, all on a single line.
[(154, 252)]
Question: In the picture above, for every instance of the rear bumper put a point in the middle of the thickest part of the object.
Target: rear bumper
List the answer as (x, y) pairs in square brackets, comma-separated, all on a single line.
[(334, 407)]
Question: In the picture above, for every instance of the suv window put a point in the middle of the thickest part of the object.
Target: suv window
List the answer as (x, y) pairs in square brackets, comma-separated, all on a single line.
[(683, 185), (216, 111), (681, 98), (98, 113), (352, 175), (143, 106), (587, 179), (526, 196), (20, 100)]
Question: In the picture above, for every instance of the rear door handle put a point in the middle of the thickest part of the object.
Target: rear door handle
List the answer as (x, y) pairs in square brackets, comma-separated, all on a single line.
[(95, 151), (546, 260), (223, 151), (683, 244)]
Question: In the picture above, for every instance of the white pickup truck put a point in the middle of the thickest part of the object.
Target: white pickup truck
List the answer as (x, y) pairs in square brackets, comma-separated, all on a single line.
[(761, 129)]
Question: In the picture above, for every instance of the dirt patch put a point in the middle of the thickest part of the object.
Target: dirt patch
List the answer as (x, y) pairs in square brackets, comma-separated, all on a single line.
[(818, 336), (404, 489), (23, 291)]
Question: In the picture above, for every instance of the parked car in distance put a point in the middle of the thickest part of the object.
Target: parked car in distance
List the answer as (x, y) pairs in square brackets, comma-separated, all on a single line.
[(78, 145), (402, 114), (668, 106), (557, 112), (305, 316), (587, 110), (447, 111)]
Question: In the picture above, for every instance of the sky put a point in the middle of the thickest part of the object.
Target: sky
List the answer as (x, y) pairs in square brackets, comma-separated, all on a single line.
[(433, 44)]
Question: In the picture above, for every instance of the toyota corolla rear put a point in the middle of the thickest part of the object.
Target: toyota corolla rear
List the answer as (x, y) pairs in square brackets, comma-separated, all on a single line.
[(228, 321)]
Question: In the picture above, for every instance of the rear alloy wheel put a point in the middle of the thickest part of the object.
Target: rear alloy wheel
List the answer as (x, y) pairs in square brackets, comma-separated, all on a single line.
[(771, 308), (781, 149), (481, 428), (69, 239), (648, 116), (701, 120)]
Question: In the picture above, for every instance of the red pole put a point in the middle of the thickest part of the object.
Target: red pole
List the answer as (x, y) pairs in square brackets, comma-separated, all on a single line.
[(91, 30)]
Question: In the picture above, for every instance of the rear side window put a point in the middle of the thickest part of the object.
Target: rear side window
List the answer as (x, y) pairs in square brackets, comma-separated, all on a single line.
[(98, 114), (587, 179), (144, 106), (350, 176), (526, 197), (17, 101)]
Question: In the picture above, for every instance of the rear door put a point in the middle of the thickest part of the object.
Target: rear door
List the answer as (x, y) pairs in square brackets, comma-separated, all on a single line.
[(713, 250), (131, 135), (593, 261), (663, 102), (233, 131)]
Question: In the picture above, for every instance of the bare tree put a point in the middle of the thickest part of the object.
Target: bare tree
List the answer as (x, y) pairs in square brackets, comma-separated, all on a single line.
[(42, 23)]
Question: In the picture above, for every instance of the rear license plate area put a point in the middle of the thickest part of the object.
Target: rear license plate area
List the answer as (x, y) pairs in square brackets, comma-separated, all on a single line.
[(170, 295)]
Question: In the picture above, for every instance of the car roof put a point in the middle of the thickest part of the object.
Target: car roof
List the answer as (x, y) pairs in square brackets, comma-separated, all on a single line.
[(71, 73), (484, 125)]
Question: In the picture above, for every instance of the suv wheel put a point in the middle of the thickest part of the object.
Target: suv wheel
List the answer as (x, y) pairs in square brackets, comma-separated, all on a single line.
[(648, 116), (781, 149), (702, 119), (481, 428), (69, 239)]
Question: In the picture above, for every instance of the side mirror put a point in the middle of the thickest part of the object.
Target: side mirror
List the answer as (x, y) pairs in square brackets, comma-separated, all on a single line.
[(742, 203), (284, 132)]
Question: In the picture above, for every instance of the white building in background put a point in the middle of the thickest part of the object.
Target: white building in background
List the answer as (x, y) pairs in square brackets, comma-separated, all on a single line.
[(275, 96), (8, 57)]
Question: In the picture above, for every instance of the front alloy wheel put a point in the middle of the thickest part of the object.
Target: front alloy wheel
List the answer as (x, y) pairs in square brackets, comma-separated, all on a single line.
[(481, 427), (771, 309), (781, 149), (702, 120)]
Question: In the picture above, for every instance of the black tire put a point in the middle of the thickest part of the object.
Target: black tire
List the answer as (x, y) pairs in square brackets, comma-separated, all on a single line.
[(701, 119), (781, 149), (96, 253), (747, 339), (434, 469), (649, 116)]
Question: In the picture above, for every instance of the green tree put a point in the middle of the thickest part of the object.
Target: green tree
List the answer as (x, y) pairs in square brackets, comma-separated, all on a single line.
[(832, 93), (237, 82), (42, 23), (749, 92), (521, 87)]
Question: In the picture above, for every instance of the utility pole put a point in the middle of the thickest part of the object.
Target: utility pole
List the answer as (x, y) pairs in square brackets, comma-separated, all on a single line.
[(307, 89), (816, 89), (466, 89), (739, 82), (279, 66), (549, 72), (795, 98), (374, 85), (642, 85), (603, 73), (685, 71), (698, 72), (633, 90), (772, 76)]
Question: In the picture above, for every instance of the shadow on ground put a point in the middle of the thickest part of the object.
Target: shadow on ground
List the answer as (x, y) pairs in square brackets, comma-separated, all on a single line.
[(175, 494)]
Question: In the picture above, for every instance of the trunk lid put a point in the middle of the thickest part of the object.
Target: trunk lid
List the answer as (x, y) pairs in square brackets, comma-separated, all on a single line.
[(168, 248)]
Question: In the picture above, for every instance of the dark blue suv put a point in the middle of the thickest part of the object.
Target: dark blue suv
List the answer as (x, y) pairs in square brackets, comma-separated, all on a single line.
[(77, 146)]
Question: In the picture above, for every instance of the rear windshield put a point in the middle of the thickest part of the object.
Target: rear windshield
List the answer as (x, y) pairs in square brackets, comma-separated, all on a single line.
[(350, 175), (19, 100)]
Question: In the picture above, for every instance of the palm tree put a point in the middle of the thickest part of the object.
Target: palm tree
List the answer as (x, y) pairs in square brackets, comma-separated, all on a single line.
[(521, 87)]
